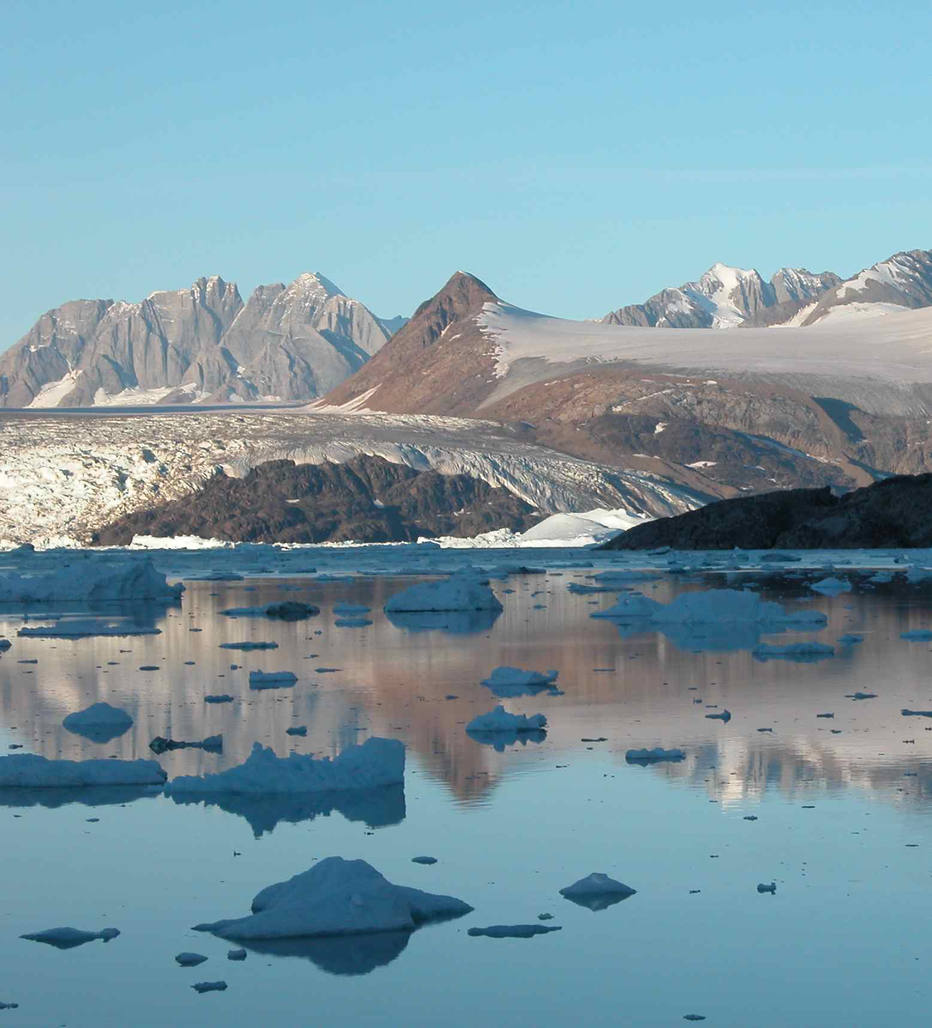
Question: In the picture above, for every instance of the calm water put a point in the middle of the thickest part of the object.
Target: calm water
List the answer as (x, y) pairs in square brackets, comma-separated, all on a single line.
[(842, 807)]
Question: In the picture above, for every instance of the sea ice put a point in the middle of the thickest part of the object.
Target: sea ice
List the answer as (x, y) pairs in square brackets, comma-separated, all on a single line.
[(271, 679), (499, 720), (375, 762), (654, 756), (336, 897), (54, 576), (464, 591), (27, 770), (597, 891), (99, 722), (68, 938)]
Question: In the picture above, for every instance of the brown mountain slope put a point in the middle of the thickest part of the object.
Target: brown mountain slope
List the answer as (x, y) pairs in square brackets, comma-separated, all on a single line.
[(439, 363)]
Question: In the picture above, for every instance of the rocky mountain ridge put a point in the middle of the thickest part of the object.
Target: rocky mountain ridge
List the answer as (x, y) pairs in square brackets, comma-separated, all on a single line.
[(201, 344)]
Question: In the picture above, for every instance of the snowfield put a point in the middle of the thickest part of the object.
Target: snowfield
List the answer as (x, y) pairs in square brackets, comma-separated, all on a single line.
[(62, 474)]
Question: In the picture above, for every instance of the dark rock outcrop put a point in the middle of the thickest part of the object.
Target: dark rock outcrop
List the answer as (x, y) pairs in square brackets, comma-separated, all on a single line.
[(367, 499), (893, 513)]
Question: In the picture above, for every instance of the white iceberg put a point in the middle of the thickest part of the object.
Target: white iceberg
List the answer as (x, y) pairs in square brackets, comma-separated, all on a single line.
[(271, 679), (464, 591), (99, 722), (336, 897), (55, 576), (499, 720), (30, 771), (374, 763)]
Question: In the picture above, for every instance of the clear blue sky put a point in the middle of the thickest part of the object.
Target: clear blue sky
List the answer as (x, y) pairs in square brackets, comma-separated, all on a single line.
[(576, 156)]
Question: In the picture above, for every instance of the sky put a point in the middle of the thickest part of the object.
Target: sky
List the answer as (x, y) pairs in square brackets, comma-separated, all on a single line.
[(575, 156)]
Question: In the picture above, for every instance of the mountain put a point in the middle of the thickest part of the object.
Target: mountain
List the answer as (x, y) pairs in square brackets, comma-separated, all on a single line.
[(726, 297), (200, 344), (714, 412), (893, 513), (367, 499), (902, 282)]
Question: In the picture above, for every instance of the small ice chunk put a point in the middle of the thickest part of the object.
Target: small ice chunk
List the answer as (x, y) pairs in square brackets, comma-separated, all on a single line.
[(597, 891), (236, 954), (915, 713), (190, 959), (804, 652), (917, 635), (100, 722), (499, 720), (725, 716), (350, 609), (831, 586), (654, 756), (296, 730), (68, 938), (513, 931), (272, 679), (219, 698), (860, 695), (423, 860), (209, 986), (86, 628), (771, 888), (336, 897), (512, 681), (249, 646), (213, 744)]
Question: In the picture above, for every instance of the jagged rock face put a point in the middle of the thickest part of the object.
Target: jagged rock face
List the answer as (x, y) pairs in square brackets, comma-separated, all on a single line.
[(367, 499), (904, 280), (726, 297), (199, 344), (896, 512), (438, 363), (299, 341)]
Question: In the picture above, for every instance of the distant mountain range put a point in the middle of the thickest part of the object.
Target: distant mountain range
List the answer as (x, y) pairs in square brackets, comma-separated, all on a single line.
[(196, 345), (295, 343)]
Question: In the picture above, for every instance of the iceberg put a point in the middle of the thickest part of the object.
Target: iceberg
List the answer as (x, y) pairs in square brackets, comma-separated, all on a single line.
[(56, 576), (375, 762), (464, 591), (30, 771), (831, 586), (99, 722), (336, 897), (68, 938), (499, 720), (513, 931), (512, 681), (597, 891)]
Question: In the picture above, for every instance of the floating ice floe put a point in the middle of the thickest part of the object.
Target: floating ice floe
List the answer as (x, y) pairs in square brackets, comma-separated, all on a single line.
[(352, 622), (464, 591), (719, 619), (850, 639), (906, 712), (219, 698), (350, 609), (513, 931), (499, 720), (55, 576), (68, 938), (287, 610), (99, 722), (271, 679), (723, 716), (213, 744), (831, 586), (376, 762), (209, 986), (249, 646), (803, 652), (597, 891), (771, 888), (190, 959), (917, 635), (860, 695), (512, 681), (336, 897), (30, 771), (86, 628), (657, 755)]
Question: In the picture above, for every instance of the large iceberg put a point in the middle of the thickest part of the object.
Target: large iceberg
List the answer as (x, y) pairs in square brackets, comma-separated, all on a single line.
[(30, 771), (57, 576), (336, 897), (374, 763), (464, 591)]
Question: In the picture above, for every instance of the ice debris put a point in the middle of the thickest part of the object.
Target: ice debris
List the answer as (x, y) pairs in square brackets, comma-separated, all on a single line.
[(466, 590), (915, 713), (917, 635), (803, 652), (213, 744), (513, 931), (190, 959), (724, 716), (771, 888), (209, 986), (336, 897), (654, 756), (499, 720), (68, 938), (100, 722), (376, 762), (271, 679), (219, 698), (27, 770), (513, 681), (86, 628), (597, 891), (831, 586)]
